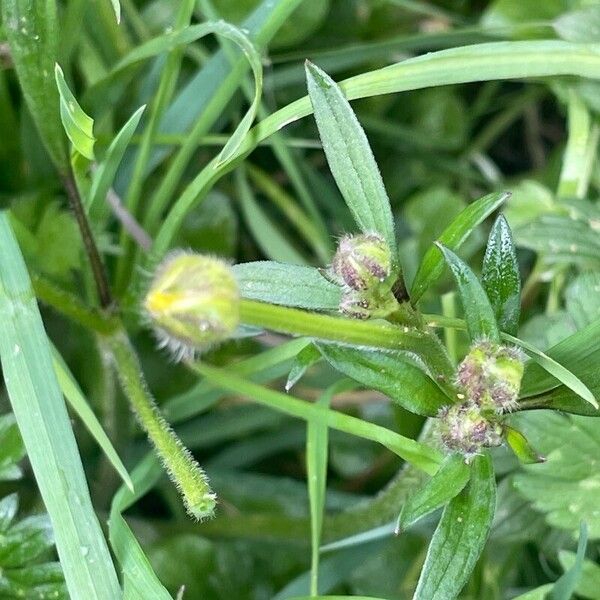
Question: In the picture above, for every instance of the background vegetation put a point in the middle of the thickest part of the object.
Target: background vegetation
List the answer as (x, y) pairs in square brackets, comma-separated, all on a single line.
[(140, 141)]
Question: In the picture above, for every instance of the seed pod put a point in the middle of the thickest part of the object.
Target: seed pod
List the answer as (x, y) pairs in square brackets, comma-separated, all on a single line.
[(362, 261), (192, 303)]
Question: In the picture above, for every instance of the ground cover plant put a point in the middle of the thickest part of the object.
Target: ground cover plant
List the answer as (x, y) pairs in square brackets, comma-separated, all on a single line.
[(299, 299)]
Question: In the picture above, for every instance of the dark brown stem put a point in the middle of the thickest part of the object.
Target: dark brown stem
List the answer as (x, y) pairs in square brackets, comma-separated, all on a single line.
[(88, 240)]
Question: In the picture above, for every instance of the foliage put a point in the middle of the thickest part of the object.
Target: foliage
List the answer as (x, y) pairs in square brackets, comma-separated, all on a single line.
[(369, 232)]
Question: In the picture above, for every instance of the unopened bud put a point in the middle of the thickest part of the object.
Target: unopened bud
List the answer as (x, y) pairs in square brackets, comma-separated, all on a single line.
[(362, 261), (193, 303), (490, 376), (464, 429)]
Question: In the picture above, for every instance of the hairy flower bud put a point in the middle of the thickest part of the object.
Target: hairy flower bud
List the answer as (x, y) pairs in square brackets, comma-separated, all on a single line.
[(464, 429), (193, 303), (490, 376), (362, 261)]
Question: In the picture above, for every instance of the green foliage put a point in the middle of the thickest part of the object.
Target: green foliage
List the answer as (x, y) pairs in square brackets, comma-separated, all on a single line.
[(430, 117)]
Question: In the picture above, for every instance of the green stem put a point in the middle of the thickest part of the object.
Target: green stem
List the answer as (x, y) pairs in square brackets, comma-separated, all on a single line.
[(184, 471), (421, 456)]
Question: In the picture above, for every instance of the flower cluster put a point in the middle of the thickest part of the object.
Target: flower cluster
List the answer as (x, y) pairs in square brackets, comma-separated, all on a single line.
[(362, 266), (489, 379)]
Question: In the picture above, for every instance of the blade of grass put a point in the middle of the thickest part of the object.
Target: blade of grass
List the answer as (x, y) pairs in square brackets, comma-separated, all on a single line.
[(46, 430)]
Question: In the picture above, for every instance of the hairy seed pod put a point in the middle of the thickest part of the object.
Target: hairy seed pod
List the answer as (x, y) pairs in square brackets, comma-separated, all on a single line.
[(362, 261), (193, 303)]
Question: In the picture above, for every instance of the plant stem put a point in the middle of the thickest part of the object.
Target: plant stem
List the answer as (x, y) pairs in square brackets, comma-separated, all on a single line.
[(89, 243)]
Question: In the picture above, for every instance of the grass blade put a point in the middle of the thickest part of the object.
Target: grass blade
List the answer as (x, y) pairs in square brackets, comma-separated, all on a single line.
[(350, 157), (479, 315), (46, 430), (565, 586), (500, 277)]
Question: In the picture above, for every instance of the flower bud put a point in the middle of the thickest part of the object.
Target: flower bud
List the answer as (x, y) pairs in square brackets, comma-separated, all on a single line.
[(193, 303), (464, 429), (490, 376), (362, 261)]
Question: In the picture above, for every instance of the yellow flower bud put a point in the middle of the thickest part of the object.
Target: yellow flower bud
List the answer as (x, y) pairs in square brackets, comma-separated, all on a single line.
[(193, 303)]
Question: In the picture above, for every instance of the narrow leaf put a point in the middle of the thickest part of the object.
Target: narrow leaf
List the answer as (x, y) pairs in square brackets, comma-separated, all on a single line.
[(566, 585), (72, 392), (500, 277), (479, 315), (521, 447), (451, 478), (105, 173), (307, 357), (79, 127), (455, 234), (288, 285), (398, 375), (44, 424), (117, 8), (349, 156), (460, 536), (32, 32)]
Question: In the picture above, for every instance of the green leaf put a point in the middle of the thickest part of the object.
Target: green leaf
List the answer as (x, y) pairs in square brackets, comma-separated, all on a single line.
[(451, 478), (350, 157), (500, 277), (305, 359), (460, 535), (72, 392), (579, 25), (397, 374), (32, 32), (479, 315), (46, 430), (562, 488), (105, 173), (79, 127), (117, 8), (539, 593), (288, 285), (454, 235), (588, 585), (11, 449), (521, 447), (582, 298), (566, 585)]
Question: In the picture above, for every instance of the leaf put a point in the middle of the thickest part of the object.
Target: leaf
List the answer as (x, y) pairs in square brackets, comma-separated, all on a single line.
[(451, 478), (397, 374), (579, 25), (117, 8), (500, 277), (460, 535), (479, 315), (350, 157), (79, 127), (565, 586), (521, 447), (588, 585), (305, 359), (46, 430), (564, 487), (554, 368), (105, 173), (11, 449), (582, 298), (539, 593), (72, 392), (288, 285), (32, 32), (454, 235)]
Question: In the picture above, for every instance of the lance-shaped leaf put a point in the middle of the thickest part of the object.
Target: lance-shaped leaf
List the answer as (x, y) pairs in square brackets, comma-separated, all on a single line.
[(398, 375), (287, 285), (349, 156), (565, 586), (500, 276), (32, 32), (460, 535), (521, 447), (454, 235), (79, 126), (451, 478), (479, 315), (307, 357)]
